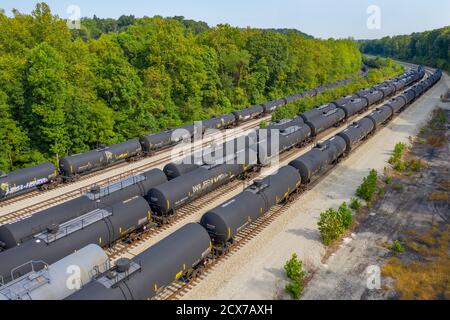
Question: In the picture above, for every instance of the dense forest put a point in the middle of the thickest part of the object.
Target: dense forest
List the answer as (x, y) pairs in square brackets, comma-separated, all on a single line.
[(431, 48), (65, 91)]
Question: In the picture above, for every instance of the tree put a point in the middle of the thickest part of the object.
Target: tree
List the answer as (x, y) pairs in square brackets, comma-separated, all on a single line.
[(45, 88)]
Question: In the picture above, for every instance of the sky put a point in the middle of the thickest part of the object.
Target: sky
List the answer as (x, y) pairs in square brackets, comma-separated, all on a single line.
[(360, 19)]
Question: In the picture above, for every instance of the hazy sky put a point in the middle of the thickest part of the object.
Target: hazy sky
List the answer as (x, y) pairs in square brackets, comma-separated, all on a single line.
[(320, 18)]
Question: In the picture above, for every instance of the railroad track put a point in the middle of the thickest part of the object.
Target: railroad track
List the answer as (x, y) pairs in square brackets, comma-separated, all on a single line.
[(29, 210)]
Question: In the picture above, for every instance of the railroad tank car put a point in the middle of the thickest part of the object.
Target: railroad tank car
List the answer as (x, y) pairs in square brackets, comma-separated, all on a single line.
[(248, 113), (96, 159), (318, 158), (285, 123), (156, 141), (396, 104), (380, 115), (137, 185), (218, 122), (318, 111), (343, 100), (50, 283), (418, 89), (271, 106), (356, 132), (371, 95), (294, 97), (101, 226), (227, 219), (409, 95), (353, 106), (13, 234), (176, 257), (271, 145), (173, 170), (167, 197), (25, 179), (386, 88), (325, 121)]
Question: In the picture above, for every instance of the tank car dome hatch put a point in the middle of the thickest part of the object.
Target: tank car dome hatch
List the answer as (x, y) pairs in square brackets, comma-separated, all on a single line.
[(53, 228), (123, 265)]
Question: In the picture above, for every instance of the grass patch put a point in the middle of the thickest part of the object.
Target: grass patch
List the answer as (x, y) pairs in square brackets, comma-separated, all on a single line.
[(397, 247), (439, 196), (428, 278)]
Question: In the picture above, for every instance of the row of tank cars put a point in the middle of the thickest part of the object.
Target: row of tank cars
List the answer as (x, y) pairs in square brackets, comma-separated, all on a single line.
[(103, 217), (70, 168)]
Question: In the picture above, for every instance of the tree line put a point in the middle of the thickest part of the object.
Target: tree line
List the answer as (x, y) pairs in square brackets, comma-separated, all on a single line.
[(67, 91), (431, 48)]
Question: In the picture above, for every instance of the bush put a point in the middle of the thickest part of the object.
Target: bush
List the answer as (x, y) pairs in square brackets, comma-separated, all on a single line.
[(333, 223), (294, 271), (388, 180), (368, 187), (397, 247), (330, 226), (355, 204), (345, 215), (396, 159), (263, 124)]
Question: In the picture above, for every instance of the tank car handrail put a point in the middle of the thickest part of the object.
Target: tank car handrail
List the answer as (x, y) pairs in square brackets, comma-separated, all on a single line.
[(31, 263)]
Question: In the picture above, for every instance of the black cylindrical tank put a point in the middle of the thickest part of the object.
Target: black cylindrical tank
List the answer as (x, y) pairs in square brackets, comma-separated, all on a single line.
[(152, 178), (171, 195), (356, 132), (325, 121), (380, 115), (353, 106), (153, 269), (174, 170), (126, 217), (15, 233), (396, 103), (318, 111), (27, 178)]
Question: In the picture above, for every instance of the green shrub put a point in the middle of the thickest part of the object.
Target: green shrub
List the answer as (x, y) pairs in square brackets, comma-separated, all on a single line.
[(355, 204), (263, 124), (399, 149), (388, 180), (294, 271), (368, 187), (397, 247), (330, 226), (345, 215)]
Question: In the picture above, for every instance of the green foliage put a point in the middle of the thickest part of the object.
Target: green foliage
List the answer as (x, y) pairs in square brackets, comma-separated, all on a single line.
[(388, 180), (67, 91), (429, 47), (294, 271), (368, 187), (397, 247), (345, 215), (396, 156), (333, 223), (263, 124), (355, 204)]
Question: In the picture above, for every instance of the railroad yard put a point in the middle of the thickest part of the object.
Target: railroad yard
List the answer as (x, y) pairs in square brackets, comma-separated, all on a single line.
[(296, 230), (307, 201)]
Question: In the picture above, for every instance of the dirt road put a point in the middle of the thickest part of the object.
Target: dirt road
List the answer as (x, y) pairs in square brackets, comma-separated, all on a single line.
[(256, 270)]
